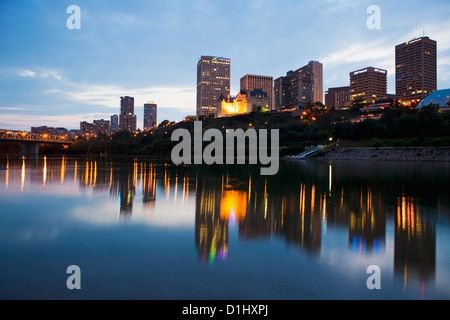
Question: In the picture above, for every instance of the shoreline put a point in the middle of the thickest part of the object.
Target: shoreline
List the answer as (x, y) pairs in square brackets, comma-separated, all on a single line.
[(441, 154)]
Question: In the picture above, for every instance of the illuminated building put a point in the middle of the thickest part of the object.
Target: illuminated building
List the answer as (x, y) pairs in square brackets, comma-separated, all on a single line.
[(415, 69), (368, 85), (338, 98), (50, 130), (439, 98), (257, 98), (250, 82), (230, 106), (150, 115), (244, 102), (299, 87), (128, 120), (213, 81), (94, 129)]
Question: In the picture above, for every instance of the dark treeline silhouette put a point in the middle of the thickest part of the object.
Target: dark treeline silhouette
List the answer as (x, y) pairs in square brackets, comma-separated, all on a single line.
[(398, 127), (401, 126)]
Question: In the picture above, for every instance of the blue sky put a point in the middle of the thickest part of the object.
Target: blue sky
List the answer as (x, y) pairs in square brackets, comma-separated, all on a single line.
[(50, 75)]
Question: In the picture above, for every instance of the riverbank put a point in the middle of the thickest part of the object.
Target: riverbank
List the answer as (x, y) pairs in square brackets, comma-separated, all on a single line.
[(388, 154)]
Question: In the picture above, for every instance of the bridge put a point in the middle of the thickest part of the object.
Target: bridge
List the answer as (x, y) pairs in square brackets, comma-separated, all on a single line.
[(29, 142)]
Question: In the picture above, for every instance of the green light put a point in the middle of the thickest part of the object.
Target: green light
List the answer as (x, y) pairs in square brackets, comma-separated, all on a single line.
[(212, 254)]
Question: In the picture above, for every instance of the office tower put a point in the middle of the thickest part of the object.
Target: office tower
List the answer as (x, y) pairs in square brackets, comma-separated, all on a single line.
[(150, 115), (415, 70), (338, 98), (128, 120), (300, 87), (368, 85), (114, 123), (213, 81), (250, 82)]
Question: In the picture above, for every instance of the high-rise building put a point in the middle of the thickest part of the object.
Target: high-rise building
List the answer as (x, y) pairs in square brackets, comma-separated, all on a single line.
[(250, 82), (150, 115), (213, 81), (368, 85), (415, 70), (299, 87), (114, 123), (338, 97), (128, 120)]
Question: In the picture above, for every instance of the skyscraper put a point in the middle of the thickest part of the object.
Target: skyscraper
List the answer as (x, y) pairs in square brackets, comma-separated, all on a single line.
[(368, 85), (213, 81), (128, 120), (150, 115), (250, 82), (415, 69), (299, 87)]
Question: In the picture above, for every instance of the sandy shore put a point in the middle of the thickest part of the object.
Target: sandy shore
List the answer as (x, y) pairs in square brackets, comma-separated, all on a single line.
[(389, 154)]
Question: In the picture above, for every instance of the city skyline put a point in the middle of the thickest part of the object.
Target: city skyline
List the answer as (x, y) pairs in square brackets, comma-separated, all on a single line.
[(59, 77)]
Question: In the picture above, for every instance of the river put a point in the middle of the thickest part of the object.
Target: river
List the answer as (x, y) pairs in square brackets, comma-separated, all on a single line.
[(140, 228)]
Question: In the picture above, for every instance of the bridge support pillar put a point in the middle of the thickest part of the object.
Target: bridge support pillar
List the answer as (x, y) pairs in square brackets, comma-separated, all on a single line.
[(30, 149)]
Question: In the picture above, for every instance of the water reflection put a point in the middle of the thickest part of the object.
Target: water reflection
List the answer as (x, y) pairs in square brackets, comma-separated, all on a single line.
[(415, 244), (299, 205)]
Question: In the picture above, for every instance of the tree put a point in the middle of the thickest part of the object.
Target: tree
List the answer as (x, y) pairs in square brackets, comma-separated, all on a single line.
[(163, 124)]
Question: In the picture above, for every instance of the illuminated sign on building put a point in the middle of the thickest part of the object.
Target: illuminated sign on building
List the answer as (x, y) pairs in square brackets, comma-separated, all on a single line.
[(359, 72)]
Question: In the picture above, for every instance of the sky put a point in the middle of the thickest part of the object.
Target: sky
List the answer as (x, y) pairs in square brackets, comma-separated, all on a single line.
[(55, 76)]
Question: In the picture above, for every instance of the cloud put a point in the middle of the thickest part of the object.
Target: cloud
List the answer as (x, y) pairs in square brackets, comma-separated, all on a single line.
[(65, 96), (359, 52), (12, 108), (27, 73), (50, 73), (25, 122), (35, 73), (107, 95)]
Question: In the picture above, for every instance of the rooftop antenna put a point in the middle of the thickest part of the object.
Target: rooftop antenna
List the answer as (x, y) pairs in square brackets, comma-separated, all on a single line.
[(424, 31)]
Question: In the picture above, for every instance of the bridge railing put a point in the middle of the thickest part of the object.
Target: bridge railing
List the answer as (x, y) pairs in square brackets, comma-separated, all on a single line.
[(34, 137)]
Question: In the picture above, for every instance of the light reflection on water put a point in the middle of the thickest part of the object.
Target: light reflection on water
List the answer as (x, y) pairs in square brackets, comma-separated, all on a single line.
[(339, 217)]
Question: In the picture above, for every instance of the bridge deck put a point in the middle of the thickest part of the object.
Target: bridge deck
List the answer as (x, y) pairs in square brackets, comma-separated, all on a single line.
[(22, 136)]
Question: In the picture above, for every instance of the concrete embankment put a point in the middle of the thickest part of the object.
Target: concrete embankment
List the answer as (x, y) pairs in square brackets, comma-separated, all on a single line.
[(388, 154)]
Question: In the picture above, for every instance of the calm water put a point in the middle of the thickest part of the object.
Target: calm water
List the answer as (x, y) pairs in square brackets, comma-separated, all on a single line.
[(145, 229)]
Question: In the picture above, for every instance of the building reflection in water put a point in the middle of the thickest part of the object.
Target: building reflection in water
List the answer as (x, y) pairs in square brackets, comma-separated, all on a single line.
[(149, 184), (367, 227), (298, 205), (415, 244), (211, 231)]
